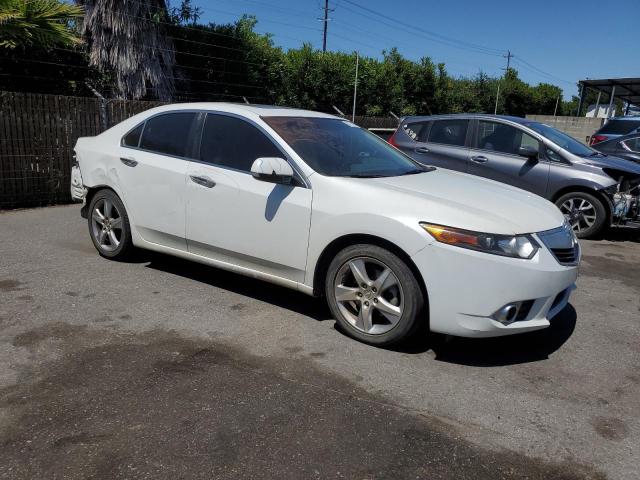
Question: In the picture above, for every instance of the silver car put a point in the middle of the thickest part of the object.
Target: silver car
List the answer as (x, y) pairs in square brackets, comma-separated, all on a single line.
[(592, 189)]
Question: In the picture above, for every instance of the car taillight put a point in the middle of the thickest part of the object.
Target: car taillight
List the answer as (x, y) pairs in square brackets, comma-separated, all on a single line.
[(597, 139), (392, 140)]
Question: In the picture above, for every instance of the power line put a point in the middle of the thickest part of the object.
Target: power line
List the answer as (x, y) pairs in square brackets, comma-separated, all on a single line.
[(526, 64), (385, 19)]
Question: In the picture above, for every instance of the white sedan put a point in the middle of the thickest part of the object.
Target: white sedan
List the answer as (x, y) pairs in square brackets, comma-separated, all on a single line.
[(314, 203)]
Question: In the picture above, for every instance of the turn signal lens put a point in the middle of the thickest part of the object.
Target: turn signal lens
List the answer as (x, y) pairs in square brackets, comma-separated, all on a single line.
[(517, 246)]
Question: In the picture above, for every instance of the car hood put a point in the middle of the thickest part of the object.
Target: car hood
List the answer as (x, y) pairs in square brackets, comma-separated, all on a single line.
[(465, 201), (612, 162)]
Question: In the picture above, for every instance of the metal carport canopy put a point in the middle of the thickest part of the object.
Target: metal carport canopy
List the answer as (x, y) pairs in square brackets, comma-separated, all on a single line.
[(627, 89)]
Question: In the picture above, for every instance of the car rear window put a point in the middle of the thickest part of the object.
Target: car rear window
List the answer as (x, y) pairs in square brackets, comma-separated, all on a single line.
[(168, 134), (449, 132), (417, 130), (620, 127)]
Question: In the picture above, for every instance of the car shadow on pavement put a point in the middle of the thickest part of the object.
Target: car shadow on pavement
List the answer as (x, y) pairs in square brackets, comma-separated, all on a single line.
[(260, 290), (622, 234), (508, 350)]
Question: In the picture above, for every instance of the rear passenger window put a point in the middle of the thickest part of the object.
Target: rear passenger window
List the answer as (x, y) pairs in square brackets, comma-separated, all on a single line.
[(449, 132), (235, 143), (503, 138), (417, 131), (169, 134), (132, 139)]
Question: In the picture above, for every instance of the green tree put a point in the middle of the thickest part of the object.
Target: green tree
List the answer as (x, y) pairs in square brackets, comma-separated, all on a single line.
[(40, 23)]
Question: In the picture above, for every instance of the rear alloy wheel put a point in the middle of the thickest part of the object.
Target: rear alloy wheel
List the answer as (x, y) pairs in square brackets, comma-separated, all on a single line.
[(373, 295), (109, 225), (584, 212)]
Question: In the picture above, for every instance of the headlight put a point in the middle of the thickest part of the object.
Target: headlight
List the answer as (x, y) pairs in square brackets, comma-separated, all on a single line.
[(517, 246)]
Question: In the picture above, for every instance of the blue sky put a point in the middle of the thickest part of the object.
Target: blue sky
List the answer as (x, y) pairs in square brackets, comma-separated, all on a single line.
[(558, 42)]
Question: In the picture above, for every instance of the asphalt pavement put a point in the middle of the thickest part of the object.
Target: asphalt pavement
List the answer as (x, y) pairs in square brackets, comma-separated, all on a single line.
[(162, 368)]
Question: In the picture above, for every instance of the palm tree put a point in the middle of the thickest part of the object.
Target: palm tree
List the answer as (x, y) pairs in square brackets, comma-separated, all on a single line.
[(127, 39), (37, 23)]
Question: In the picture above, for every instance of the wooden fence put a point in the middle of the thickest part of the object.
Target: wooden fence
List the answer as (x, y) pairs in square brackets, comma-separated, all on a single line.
[(38, 133)]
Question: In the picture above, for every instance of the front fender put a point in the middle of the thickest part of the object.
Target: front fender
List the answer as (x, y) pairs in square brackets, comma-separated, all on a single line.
[(403, 233)]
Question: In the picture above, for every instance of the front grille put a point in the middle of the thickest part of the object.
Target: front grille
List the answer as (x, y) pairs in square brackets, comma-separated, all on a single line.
[(562, 243), (566, 256)]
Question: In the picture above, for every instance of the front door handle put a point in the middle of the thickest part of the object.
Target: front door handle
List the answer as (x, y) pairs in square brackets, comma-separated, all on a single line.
[(204, 181), (422, 150), (479, 159), (129, 162)]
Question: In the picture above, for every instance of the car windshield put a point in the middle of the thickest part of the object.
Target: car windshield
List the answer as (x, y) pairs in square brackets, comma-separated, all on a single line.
[(562, 140), (338, 148)]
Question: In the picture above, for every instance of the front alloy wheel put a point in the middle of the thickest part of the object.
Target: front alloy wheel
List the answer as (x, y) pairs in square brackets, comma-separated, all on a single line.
[(369, 295), (584, 212), (374, 295)]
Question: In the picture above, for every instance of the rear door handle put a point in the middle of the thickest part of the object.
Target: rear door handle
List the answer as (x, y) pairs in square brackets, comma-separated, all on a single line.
[(479, 159), (204, 181), (129, 162), (422, 150)]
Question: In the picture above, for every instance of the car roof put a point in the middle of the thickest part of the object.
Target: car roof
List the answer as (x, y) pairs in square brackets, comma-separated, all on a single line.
[(413, 118), (243, 109), (627, 118)]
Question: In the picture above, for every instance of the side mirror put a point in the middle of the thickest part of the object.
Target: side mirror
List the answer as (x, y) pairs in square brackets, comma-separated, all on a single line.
[(528, 151), (272, 169)]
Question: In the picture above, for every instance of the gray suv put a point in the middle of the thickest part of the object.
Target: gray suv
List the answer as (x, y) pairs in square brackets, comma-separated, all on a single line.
[(592, 189)]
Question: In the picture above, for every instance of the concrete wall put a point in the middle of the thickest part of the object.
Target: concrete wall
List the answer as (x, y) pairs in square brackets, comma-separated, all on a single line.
[(578, 127)]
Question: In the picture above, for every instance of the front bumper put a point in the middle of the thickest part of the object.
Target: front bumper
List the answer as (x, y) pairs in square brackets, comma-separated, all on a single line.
[(465, 289)]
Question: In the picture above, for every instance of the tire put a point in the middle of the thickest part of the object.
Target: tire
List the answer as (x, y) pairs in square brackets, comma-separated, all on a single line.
[(375, 310), (586, 213), (109, 230)]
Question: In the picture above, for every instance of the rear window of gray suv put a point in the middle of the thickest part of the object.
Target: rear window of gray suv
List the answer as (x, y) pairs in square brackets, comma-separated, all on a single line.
[(620, 127)]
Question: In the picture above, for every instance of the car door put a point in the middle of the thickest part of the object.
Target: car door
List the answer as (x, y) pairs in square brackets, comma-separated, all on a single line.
[(494, 154), (237, 219), (443, 144), (152, 169)]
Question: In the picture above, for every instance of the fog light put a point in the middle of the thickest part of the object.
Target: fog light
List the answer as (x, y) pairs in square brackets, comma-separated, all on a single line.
[(508, 313)]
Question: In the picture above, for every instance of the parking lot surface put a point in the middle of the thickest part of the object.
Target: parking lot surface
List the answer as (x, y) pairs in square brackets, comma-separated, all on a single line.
[(161, 368)]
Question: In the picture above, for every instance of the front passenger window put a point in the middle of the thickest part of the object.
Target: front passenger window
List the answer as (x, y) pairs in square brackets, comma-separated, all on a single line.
[(233, 142), (503, 138)]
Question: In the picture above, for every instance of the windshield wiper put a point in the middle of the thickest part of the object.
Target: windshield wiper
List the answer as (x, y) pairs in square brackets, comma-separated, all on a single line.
[(366, 176)]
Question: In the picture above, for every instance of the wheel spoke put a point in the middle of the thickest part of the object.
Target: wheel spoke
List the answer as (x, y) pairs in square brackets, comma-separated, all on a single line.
[(385, 280), (359, 271), (98, 217), (102, 236), (106, 208), (346, 294), (391, 312), (116, 223), (113, 239), (365, 321)]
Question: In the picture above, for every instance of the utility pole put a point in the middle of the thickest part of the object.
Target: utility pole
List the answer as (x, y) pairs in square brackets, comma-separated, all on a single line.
[(326, 21), (508, 57), (506, 72), (355, 90)]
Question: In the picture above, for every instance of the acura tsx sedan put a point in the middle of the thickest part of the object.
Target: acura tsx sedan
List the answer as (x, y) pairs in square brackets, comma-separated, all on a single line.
[(314, 203)]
